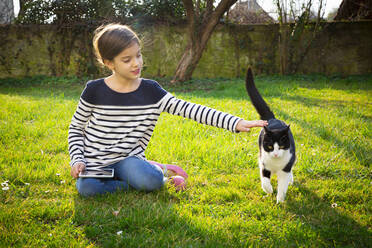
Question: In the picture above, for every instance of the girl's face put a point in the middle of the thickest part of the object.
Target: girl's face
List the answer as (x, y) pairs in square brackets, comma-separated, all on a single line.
[(128, 64)]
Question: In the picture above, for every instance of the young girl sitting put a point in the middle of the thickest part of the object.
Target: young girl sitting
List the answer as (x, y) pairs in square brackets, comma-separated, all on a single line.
[(116, 117)]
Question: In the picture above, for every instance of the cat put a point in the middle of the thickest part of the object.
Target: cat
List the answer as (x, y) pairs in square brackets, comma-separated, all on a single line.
[(277, 147)]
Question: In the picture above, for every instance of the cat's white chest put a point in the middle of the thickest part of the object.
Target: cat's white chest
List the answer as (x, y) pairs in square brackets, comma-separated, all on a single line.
[(275, 164)]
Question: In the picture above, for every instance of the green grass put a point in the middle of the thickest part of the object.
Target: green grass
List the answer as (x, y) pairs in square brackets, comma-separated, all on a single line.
[(329, 204)]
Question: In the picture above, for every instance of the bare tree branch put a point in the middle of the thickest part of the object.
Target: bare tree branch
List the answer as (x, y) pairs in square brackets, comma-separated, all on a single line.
[(218, 13), (190, 13), (209, 8), (200, 30)]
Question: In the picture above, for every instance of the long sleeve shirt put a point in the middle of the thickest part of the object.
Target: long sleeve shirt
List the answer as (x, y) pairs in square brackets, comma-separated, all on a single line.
[(109, 126)]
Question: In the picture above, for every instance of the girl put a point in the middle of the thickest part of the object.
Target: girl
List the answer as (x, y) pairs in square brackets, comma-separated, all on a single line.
[(116, 117)]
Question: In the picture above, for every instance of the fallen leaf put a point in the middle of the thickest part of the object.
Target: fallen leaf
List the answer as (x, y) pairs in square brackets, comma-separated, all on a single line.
[(116, 212)]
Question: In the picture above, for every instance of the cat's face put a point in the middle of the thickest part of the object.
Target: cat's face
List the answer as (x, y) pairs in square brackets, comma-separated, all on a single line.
[(276, 142)]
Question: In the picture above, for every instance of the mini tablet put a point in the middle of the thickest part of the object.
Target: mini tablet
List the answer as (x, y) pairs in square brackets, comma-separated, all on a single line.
[(97, 173)]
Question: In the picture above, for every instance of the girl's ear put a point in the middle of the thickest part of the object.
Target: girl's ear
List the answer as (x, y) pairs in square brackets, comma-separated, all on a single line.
[(109, 64)]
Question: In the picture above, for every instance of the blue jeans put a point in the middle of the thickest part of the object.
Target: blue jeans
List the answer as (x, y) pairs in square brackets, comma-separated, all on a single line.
[(130, 172)]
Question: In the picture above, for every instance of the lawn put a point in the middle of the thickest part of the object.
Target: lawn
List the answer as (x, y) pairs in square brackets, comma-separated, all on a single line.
[(329, 204)]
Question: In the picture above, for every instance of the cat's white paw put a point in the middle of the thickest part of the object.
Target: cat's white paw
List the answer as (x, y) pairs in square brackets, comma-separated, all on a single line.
[(290, 178), (266, 185), (280, 198)]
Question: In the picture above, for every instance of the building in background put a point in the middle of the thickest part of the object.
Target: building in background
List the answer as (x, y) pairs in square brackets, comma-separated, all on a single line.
[(249, 12)]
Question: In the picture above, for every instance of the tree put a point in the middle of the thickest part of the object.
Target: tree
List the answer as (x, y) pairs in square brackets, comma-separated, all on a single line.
[(294, 19), (202, 18), (6, 11), (353, 10)]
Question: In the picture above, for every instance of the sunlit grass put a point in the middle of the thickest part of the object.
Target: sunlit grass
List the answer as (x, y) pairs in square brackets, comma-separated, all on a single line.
[(223, 206)]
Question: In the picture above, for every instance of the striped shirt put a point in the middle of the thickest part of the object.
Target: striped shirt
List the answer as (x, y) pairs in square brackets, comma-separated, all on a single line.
[(109, 126)]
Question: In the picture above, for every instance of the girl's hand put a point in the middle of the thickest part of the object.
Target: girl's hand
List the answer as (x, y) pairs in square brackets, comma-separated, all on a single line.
[(76, 169), (245, 126)]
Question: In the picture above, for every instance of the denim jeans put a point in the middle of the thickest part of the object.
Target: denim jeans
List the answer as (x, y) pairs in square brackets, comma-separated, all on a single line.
[(130, 172)]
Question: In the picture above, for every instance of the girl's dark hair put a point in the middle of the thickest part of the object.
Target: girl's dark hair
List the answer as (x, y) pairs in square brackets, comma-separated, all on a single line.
[(110, 40)]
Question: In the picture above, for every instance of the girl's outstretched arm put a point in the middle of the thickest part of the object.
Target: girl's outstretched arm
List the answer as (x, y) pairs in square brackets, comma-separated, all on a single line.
[(200, 113), (245, 126)]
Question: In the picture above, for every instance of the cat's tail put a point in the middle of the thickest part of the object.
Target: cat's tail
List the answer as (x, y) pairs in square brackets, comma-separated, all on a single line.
[(256, 99)]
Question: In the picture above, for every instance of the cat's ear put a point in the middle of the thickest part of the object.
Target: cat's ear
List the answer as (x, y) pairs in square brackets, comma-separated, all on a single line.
[(287, 128)]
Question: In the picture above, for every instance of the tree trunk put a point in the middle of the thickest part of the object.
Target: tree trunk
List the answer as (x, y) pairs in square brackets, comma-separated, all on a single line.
[(194, 50), (284, 49), (190, 59), (185, 66), (201, 27), (6, 11)]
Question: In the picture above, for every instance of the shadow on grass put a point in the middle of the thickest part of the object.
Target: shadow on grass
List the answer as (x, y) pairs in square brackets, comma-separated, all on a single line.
[(144, 220), (41, 87), (269, 86), (353, 149), (151, 220), (332, 228), (338, 105)]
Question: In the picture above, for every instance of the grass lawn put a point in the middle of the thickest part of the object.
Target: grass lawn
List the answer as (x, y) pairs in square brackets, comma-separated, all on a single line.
[(329, 204)]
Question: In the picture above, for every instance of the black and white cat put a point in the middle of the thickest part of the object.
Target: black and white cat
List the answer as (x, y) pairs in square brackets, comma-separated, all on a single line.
[(277, 146)]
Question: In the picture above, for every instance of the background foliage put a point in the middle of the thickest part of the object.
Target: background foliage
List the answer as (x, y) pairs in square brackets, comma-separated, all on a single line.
[(65, 12)]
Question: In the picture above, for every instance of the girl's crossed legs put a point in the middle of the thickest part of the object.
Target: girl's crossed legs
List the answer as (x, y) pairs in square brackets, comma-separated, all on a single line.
[(130, 172)]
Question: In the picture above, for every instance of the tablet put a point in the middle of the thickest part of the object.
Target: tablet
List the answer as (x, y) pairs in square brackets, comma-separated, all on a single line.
[(97, 173)]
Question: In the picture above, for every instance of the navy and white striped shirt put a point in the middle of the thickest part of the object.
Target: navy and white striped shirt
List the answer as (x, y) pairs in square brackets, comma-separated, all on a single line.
[(109, 126)]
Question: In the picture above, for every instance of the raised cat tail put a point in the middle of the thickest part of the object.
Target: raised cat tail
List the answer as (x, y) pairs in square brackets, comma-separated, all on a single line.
[(256, 99)]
